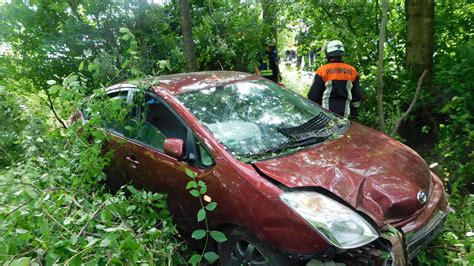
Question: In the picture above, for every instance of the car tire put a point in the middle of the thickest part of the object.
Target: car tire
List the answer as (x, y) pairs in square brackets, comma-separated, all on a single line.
[(242, 248)]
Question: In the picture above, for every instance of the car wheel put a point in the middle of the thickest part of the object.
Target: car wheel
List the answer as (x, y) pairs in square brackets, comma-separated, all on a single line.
[(242, 248)]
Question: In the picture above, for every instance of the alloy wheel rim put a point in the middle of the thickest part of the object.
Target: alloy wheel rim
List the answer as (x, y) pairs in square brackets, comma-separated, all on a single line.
[(246, 253)]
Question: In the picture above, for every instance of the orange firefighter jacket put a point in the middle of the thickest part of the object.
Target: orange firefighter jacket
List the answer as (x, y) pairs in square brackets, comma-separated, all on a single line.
[(336, 88)]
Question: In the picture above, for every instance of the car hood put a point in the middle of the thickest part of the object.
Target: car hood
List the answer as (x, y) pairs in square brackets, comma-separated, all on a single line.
[(374, 173)]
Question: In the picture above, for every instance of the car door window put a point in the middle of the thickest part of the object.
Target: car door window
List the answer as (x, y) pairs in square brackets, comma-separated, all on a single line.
[(114, 111), (117, 114), (150, 135), (157, 122)]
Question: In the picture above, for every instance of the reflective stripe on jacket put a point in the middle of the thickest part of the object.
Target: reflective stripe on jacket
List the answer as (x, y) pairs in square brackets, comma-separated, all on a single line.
[(335, 86)]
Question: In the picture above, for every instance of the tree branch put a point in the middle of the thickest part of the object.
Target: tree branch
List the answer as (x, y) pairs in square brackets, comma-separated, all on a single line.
[(413, 102), (383, 26), (51, 106)]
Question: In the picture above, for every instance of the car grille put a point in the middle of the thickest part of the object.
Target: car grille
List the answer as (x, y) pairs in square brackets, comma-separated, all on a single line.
[(422, 237)]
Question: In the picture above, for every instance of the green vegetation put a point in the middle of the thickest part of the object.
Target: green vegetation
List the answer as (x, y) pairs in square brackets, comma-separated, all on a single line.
[(55, 207)]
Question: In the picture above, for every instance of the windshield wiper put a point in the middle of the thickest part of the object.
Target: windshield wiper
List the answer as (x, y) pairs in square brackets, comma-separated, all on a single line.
[(319, 126), (289, 145), (316, 130)]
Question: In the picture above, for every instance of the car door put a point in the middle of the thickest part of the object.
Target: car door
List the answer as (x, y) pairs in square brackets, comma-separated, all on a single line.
[(117, 116), (156, 171)]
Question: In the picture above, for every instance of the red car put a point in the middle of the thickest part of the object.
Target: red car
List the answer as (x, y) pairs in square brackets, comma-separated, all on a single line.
[(294, 183)]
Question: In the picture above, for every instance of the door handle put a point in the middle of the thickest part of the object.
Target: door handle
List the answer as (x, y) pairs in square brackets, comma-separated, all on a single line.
[(133, 160)]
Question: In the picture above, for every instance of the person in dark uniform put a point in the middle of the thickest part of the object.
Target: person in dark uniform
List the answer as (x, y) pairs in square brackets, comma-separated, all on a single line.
[(268, 63), (336, 84)]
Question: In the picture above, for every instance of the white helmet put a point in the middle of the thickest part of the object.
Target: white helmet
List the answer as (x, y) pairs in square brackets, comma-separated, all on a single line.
[(335, 49)]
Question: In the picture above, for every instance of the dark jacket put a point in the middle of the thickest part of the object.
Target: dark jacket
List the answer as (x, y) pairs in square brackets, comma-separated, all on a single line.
[(336, 88), (269, 65)]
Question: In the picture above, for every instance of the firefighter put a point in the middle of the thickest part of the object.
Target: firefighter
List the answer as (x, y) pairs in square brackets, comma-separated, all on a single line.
[(268, 63), (336, 84)]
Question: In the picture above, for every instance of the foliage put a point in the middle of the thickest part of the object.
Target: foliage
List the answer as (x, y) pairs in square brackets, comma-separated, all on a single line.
[(54, 176), (198, 189), (12, 123), (56, 208), (229, 35), (455, 154), (455, 245), (53, 38)]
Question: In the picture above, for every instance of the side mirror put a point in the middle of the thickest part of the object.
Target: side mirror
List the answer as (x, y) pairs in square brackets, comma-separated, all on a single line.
[(174, 148)]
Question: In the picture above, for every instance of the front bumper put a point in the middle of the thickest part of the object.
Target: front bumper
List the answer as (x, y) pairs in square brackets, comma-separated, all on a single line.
[(392, 248), (416, 241), (402, 242)]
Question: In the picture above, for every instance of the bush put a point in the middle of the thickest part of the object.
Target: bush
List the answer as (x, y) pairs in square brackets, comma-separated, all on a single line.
[(55, 207)]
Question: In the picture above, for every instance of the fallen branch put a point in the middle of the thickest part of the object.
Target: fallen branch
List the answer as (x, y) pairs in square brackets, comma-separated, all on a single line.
[(56, 221), (412, 105), (91, 218), (19, 207)]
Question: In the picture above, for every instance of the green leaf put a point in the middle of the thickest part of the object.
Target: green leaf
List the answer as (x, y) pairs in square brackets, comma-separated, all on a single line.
[(125, 63), (201, 215), (218, 236), (203, 190), (126, 37), (51, 82), (106, 215), (191, 184), (201, 183), (54, 89), (123, 30), (92, 67), (198, 234), (73, 239), (132, 189), (211, 257), (23, 261), (92, 242), (195, 259), (211, 206), (190, 173), (105, 243), (194, 192), (81, 66)]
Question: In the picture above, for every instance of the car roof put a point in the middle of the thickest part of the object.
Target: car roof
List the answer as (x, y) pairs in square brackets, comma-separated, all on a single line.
[(187, 82)]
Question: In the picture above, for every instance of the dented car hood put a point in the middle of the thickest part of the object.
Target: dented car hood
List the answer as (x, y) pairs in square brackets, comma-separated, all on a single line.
[(374, 173)]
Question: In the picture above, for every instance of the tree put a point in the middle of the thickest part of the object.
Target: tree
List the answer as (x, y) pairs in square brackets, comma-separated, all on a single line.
[(383, 26), (420, 35), (187, 30), (269, 18)]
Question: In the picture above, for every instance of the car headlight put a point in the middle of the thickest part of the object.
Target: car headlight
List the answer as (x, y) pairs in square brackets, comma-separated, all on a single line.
[(338, 224)]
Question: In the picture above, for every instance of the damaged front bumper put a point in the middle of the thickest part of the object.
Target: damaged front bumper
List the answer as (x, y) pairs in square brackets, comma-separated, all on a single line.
[(394, 247), (416, 241)]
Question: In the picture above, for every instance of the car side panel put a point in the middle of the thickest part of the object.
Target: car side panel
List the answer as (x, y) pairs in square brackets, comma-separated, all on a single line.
[(119, 169), (235, 185), (158, 172)]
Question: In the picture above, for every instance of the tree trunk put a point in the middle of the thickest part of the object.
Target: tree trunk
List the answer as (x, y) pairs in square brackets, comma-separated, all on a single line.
[(420, 35), (187, 31), (383, 25)]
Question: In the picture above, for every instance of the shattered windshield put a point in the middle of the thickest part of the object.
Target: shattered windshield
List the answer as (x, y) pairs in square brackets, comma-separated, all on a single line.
[(258, 118)]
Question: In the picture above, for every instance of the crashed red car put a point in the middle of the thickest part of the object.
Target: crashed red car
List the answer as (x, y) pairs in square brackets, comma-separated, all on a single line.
[(294, 183)]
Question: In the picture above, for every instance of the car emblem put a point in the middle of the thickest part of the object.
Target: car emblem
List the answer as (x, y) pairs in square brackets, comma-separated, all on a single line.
[(421, 196)]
